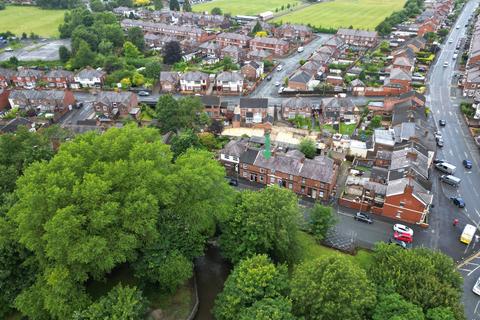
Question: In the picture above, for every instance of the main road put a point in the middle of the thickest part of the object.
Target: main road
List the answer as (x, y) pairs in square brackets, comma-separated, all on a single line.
[(442, 99)]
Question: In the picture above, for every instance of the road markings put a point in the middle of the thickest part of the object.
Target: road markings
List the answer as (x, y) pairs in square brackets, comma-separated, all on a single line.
[(478, 213), (476, 307), (450, 152), (466, 155)]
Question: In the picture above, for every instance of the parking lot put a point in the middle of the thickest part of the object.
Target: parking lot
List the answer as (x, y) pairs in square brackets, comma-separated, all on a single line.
[(46, 50), (470, 271)]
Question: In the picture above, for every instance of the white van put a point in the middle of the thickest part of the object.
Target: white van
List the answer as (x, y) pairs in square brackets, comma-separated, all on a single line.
[(451, 180), (300, 49), (446, 167)]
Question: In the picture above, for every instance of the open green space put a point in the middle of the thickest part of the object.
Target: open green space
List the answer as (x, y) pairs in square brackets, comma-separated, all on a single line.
[(31, 19), (344, 128), (243, 7), (312, 250), (361, 14)]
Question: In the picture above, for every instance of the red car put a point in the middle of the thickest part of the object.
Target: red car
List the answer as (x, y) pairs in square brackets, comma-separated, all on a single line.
[(405, 237)]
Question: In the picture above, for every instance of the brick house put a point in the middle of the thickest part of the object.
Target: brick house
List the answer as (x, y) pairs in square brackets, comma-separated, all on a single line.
[(194, 81), (276, 46), (300, 80), (403, 63), (253, 111), (89, 78), (401, 78), (27, 77), (296, 106), (294, 32), (4, 93), (234, 52), (114, 104), (169, 81), (260, 55), (252, 70), (58, 78), (229, 82), (339, 109), (230, 155), (6, 76), (156, 41), (54, 102), (233, 39), (210, 48), (313, 178), (359, 38), (213, 106), (471, 85)]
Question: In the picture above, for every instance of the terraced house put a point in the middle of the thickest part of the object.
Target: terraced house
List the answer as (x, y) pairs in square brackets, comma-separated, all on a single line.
[(359, 38), (52, 103), (276, 46)]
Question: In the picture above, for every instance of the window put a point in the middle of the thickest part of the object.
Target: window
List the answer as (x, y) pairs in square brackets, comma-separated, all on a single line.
[(303, 181), (234, 158), (261, 178), (262, 170), (402, 204), (245, 174), (245, 166), (290, 177), (399, 215), (290, 185), (272, 180), (303, 189)]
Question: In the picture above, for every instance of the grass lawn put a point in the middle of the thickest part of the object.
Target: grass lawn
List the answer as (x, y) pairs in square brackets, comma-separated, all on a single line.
[(31, 19), (344, 128), (313, 250), (361, 14), (243, 7)]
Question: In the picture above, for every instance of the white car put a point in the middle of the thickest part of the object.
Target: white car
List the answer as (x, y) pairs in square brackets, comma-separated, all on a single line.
[(403, 229), (445, 64), (476, 287), (277, 83), (280, 68), (300, 49)]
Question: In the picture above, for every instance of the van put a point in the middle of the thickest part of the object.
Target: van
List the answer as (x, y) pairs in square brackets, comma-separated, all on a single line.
[(451, 180), (446, 167), (468, 233), (300, 49)]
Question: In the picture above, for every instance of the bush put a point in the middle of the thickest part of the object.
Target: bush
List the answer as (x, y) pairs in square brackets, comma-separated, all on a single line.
[(467, 109)]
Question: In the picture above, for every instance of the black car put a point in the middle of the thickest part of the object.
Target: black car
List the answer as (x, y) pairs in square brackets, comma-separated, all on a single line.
[(440, 143), (269, 77), (467, 164), (233, 182), (363, 218), (400, 243), (459, 202), (442, 123)]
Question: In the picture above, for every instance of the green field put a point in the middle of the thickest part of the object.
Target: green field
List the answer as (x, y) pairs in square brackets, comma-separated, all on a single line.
[(361, 14), (243, 7), (31, 19)]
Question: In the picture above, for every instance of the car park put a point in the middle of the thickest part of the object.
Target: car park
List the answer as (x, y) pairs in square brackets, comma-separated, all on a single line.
[(476, 287), (405, 237), (467, 164), (459, 202), (362, 217), (402, 228), (442, 123)]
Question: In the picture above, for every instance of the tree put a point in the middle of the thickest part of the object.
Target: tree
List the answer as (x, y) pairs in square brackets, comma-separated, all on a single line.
[(269, 309), (176, 115), (83, 57), (2, 5), (97, 6), (262, 222), (376, 122), (120, 303), (152, 69), (216, 11), (183, 141), (257, 28), (436, 281), (216, 127), (440, 313), (308, 147), (187, 7), (158, 4), (253, 280), (105, 47), (321, 220), (126, 83), (13, 61), (135, 36), (64, 54), (174, 5), (331, 288), (390, 306), (24, 35), (207, 140), (172, 52), (138, 79), (130, 50)]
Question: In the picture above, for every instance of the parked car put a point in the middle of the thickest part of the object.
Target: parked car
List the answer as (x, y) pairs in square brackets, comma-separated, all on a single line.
[(442, 123), (363, 218), (280, 67), (459, 202), (405, 237), (402, 228), (300, 49), (467, 164), (438, 135), (269, 77), (445, 64), (440, 143), (277, 83), (400, 243), (143, 93), (476, 287), (8, 49)]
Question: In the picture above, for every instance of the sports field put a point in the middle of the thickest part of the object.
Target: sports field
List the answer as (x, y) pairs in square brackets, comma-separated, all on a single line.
[(31, 19), (244, 7), (361, 14)]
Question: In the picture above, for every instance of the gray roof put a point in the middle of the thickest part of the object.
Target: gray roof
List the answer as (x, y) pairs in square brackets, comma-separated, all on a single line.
[(235, 148), (23, 72), (13, 124), (400, 74), (398, 187), (379, 188), (270, 40), (253, 103), (169, 76), (232, 49), (89, 73), (110, 97), (357, 33), (194, 76), (296, 102), (260, 53), (7, 73), (407, 112), (59, 73), (210, 100), (410, 158), (249, 156), (301, 77), (230, 76), (234, 36), (24, 94), (379, 173), (337, 106)]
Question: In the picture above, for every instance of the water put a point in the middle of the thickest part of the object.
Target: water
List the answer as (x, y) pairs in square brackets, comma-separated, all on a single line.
[(211, 271)]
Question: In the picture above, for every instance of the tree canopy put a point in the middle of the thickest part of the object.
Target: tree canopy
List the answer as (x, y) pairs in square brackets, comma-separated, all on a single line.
[(255, 287), (104, 200), (321, 219), (331, 288), (393, 306), (262, 222), (175, 115), (308, 147), (172, 52)]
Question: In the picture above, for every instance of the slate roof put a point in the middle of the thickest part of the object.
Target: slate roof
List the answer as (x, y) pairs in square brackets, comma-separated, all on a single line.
[(235, 148), (7, 73), (412, 94), (301, 76), (407, 112), (13, 125), (234, 36), (410, 157), (270, 41), (337, 106), (357, 33), (398, 187), (24, 94), (110, 97), (230, 76), (253, 103), (169, 76), (24, 72), (249, 156), (90, 73), (296, 103), (379, 173), (400, 74), (210, 100), (59, 73), (194, 76)]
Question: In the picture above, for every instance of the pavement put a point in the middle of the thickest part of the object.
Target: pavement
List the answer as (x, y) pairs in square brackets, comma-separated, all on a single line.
[(46, 50)]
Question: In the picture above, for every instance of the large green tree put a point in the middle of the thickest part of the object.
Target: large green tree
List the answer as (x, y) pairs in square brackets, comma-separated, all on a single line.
[(174, 5), (321, 219), (308, 147), (84, 56), (394, 307), (135, 36), (175, 115), (432, 274), (331, 288), (265, 222), (269, 309), (98, 203), (255, 285)]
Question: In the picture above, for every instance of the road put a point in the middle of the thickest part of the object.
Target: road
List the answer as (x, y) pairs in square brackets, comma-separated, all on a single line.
[(459, 145), (45, 49)]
